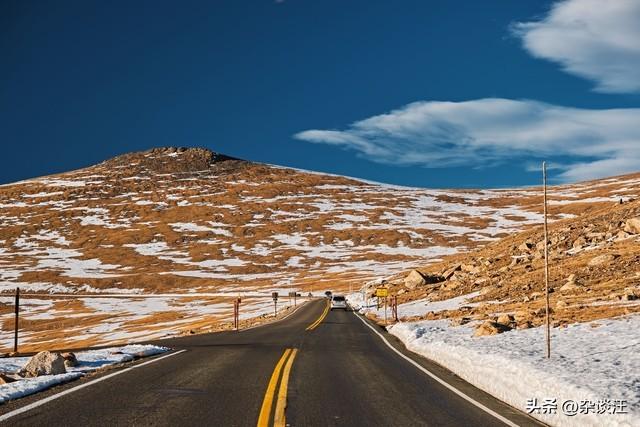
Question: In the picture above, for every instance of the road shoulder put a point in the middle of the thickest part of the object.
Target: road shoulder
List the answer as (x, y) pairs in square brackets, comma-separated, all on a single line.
[(473, 394)]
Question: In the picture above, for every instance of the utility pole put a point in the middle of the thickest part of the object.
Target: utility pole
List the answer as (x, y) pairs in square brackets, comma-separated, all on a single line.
[(546, 261)]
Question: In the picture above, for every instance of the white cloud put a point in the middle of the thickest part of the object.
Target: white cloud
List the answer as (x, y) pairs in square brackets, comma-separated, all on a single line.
[(595, 39), (491, 131)]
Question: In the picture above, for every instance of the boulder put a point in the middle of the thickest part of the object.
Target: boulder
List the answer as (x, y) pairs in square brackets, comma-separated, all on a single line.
[(561, 304), (451, 271), (632, 226), (414, 279), (70, 360), (525, 325), (490, 328), (525, 247), (505, 319), (522, 315), (602, 259), (44, 363)]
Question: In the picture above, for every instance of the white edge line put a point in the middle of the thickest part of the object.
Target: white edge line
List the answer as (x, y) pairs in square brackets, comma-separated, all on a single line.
[(438, 379), (71, 390)]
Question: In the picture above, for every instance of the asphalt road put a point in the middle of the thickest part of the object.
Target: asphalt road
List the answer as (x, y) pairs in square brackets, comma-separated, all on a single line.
[(342, 373)]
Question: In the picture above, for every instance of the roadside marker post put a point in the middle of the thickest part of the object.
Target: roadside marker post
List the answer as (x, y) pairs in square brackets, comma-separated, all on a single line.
[(274, 295), (293, 295), (394, 307), (236, 313), (15, 328)]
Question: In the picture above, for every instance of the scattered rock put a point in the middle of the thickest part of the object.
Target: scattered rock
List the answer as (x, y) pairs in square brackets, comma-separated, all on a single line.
[(490, 328), (632, 226), (631, 294), (526, 246), (525, 325), (561, 304), (522, 315), (568, 287), (579, 243), (622, 235), (460, 321), (595, 236), (540, 246), (451, 271), (70, 360), (6, 379), (44, 363), (505, 319), (602, 259), (469, 268)]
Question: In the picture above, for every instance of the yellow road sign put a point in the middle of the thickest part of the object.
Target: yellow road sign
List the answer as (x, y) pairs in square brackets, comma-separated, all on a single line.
[(382, 292)]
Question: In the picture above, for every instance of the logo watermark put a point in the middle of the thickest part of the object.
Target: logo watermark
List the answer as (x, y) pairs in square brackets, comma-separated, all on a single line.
[(550, 406)]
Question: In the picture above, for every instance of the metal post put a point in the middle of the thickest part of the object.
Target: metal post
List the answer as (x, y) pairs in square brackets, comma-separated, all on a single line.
[(385, 311), (546, 262), (275, 308), (15, 330), (395, 308)]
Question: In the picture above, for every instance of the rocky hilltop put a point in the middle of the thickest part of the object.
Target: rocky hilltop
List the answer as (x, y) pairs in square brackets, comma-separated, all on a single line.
[(189, 221), (174, 160)]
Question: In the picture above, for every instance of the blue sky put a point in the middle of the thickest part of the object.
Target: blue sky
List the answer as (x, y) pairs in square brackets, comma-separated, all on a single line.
[(424, 93)]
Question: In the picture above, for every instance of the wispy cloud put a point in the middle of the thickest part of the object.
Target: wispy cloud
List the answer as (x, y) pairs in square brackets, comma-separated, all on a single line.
[(492, 131), (595, 39)]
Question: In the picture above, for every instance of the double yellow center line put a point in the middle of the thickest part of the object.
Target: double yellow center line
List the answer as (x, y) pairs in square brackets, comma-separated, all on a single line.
[(281, 403), (280, 376), (315, 324)]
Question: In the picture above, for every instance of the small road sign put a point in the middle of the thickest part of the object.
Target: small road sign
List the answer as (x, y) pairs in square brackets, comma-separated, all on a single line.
[(382, 292)]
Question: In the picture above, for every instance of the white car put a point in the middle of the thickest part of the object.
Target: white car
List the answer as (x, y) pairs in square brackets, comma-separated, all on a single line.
[(338, 301)]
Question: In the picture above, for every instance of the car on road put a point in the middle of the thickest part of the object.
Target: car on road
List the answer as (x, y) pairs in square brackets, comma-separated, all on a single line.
[(338, 301)]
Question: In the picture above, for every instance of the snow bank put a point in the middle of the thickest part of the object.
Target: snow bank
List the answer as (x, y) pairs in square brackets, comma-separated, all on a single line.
[(590, 362), (89, 360), (29, 386)]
